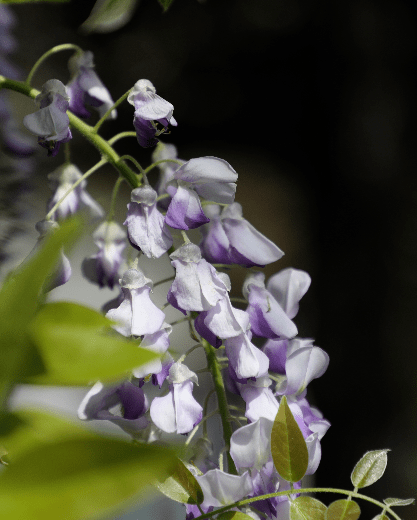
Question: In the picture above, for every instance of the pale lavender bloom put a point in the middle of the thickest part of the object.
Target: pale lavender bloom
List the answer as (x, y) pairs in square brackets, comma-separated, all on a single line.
[(304, 362), (177, 411), (220, 488), (86, 88), (146, 226), (50, 123), (208, 177), (150, 110), (63, 271), (157, 342), (167, 169), (137, 314), (197, 285), (61, 181), (103, 267), (267, 318), (288, 287), (259, 399), (276, 350), (231, 239), (133, 402)]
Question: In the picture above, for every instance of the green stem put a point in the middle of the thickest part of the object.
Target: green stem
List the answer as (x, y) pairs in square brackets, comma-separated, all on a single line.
[(117, 137), (133, 161), (73, 186), (214, 367), (241, 503), (54, 50), (153, 165), (110, 110), (115, 191), (86, 130)]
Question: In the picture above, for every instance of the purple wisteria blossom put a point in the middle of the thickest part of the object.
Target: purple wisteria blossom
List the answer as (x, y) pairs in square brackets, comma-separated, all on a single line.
[(259, 398), (267, 318), (150, 111), (63, 271), (167, 169), (50, 123), (177, 411), (146, 226), (61, 181), (208, 177), (137, 314), (103, 267), (220, 488), (86, 88), (133, 402), (231, 239), (288, 287), (197, 286)]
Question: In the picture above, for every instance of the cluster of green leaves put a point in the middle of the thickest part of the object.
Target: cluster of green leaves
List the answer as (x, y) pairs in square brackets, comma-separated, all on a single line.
[(51, 465)]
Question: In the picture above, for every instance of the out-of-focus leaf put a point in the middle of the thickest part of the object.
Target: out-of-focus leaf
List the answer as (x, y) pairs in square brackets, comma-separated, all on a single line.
[(369, 469), (30, 1), (109, 15), (399, 501), (20, 299), (381, 517), (288, 447), (234, 515), (165, 4), (182, 486), (343, 510), (58, 470), (78, 346), (307, 508)]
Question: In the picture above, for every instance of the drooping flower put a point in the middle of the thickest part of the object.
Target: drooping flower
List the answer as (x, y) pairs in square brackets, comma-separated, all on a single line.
[(221, 488), (164, 152), (208, 177), (259, 399), (231, 239), (50, 123), (61, 181), (288, 287), (197, 286), (146, 226), (86, 88), (177, 411), (267, 318), (137, 314), (150, 111), (103, 267), (100, 400)]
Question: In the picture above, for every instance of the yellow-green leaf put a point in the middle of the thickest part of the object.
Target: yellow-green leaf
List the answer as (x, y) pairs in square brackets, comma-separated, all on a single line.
[(234, 515), (343, 510), (399, 501), (182, 486), (307, 508), (78, 346), (369, 469), (109, 15), (288, 447), (59, 470)]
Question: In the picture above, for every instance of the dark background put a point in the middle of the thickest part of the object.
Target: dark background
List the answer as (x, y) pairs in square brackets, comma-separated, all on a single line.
[(313, 104)]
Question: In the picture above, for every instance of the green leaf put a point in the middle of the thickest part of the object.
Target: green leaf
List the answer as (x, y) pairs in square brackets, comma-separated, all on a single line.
[(20, 298), (78, 346), (234, 515), (165, 4), (381, 517), (109, 15), (399, 501), (58, 470), (182, 486), (343, 510), (369, 469), (307, 508), (288, 447)]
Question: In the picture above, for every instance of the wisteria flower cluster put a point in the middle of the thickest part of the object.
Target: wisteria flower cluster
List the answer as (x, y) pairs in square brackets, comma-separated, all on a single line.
[(260, 367)]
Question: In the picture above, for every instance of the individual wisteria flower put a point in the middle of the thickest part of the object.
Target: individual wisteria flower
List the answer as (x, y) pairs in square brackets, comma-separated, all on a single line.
[(86, 88), (267, 318), (61, 181), (221, 488), (167, 169), (50, 123), (132, 400), (288, 287), (208, 177), (150, 110), (231, 239), (63, 271), (177, 411), (146, 226), (137, 314), (259, 398), (103, 267), (197, 285)]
